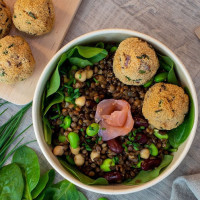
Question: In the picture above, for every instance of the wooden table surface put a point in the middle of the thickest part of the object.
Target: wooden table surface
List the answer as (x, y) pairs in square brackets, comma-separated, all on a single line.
[(172, 22)]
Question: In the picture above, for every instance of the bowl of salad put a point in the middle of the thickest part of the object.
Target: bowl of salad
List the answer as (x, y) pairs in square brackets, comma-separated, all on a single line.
[(115, 111)]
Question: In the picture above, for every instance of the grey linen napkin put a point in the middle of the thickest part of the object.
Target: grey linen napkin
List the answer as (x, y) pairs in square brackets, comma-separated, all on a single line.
[(186, 188)]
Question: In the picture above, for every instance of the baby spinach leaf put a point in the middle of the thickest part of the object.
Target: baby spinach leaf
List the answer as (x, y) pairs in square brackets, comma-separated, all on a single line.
[(145, 176), (11, 182), (51, 176), (41, 185), (58, 98), (92, 54), (100, 45), (27, 159), (47, 130), (178, 135), (63, 190), (54, 82), (83, 178), (168, 64), (80, 62)]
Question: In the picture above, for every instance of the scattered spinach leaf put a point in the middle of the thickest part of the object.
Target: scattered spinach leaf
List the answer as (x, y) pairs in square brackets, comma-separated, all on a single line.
[(178, 135), (83, 178), (27, 159), (145, 176), (62, 190), (11, 182)]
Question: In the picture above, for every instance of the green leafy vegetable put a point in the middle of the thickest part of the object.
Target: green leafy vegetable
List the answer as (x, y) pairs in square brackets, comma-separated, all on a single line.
[(168, 64), (58, 98), (41, 185), (63, 190), (27, 159), (178, 135), (145, 176), (11, 183), (80, 62), (83, 178), (92, 54)]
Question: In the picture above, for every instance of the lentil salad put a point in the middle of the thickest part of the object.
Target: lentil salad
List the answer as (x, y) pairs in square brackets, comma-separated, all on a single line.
[(71, 130)]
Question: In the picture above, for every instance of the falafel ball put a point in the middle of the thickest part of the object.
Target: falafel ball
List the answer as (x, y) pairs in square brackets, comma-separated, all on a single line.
[(138, 62), (16, 59), (34, 17), (5, 19), (165, 106)]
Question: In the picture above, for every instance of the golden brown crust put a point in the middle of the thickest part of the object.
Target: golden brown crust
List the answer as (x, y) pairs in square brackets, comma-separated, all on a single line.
[(5, 19), (34, 17), (165, 106), (16, 59), (138, 62)]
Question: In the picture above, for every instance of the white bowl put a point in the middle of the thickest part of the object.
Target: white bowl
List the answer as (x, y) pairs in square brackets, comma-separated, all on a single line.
[(110, 35)]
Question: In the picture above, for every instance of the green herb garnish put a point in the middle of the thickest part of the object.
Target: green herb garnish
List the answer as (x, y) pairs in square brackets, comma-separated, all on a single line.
[(128, 78), (97, 100), (5, 52), (125, 147), (11, 46), (32, 15), (142, 71), (96, 81), (143, 56)]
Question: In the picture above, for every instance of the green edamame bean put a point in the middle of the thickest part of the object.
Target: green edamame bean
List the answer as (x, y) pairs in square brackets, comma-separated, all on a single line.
[(160, 136), (165, 66), (67, 122), (107, 163), (113, 49), (62, 138), (103, 198), (73, 139), (153, 150), (160, 77), (92, 129), (149, 83)]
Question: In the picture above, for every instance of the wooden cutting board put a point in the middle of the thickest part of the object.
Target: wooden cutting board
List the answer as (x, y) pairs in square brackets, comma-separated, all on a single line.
[(43, 48)]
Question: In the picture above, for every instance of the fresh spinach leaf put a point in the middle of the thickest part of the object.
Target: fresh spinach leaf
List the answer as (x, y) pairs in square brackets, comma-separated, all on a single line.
[(100, 45), (83, 178), (51, 176), (168, 64), (41, 185), (27, 159), (57, 98), (47, 130), (63, 190), (11, 182), (178, 135), (92, 54), (80, 62), (145, 176)]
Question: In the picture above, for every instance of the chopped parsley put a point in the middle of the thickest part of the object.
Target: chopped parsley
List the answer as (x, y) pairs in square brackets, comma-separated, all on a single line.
[(11, 46), (80, 76), (28, 22), (5, 52), (125, 147), (3, 73), (15, 16), (143, 56), (81, 130), (128, 78), (116, 160), (32, 15), (142, 71), (96, 81), (97, 100), (157, 111)]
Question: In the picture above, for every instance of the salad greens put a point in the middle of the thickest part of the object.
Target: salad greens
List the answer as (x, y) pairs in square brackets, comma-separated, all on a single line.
[(83, 178), (178, 135), (21, 180), (11, 182), (145, 176)]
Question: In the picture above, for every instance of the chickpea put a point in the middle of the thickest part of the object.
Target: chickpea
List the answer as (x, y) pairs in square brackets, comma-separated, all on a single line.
[(58, 150), (145, 153), (79, 159), (75, 151), (89, 74), (94, 154), (80, 75), (80, 101)]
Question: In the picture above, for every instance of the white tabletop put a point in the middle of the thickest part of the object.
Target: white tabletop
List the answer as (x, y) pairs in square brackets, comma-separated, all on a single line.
[(173, 23)]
